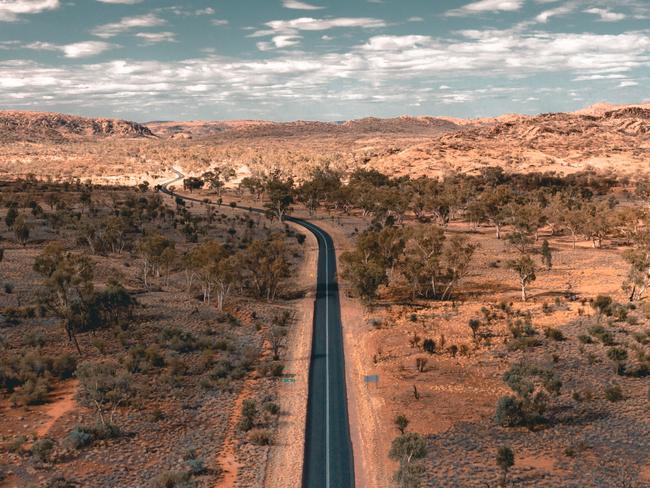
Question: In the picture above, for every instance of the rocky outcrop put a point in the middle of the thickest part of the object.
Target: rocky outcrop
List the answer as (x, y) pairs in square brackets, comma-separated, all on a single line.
[(54, 127)]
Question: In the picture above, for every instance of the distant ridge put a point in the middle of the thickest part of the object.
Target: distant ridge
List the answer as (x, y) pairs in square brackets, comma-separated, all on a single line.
[(263, 128), (55, 127)]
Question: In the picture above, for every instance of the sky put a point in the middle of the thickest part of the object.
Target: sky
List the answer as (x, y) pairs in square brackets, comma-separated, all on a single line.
[(281, 60)]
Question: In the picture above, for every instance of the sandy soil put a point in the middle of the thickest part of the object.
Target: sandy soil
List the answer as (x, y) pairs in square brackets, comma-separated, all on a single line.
[(63, 403)]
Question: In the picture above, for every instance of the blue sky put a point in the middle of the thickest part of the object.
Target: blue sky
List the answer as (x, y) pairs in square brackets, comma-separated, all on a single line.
[(325, 60)]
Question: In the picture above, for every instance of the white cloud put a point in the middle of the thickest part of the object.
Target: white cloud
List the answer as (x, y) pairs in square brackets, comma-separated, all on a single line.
[(377, 70), (626, 84), (487, 6), (125, 2), (279, 42), (74, 50), (219, 22), (311, 24), (392, 43), (286, 33), (606, 15), (296, 5), (554, 12), (126, 24), (156, 37), (599, 77), (11, 9)]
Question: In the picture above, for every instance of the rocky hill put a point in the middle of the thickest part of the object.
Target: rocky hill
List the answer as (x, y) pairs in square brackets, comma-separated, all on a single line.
[(258, 128), (41, 127), (617, 139)]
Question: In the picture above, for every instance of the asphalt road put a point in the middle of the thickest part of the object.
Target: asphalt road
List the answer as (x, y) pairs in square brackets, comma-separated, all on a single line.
[(328, 461)]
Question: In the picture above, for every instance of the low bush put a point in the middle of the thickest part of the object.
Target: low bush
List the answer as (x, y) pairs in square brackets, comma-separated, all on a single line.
[(42, 449), (554, 334), (613, 393), (174, 479), (260, 437)]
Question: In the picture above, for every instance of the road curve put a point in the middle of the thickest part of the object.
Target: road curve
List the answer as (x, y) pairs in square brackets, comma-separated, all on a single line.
[(328, 458)]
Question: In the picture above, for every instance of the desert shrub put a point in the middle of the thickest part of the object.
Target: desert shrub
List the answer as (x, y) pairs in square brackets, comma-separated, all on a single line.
[(156, 415), (106, 387), (260, 437), (35, 339), (8, 288), (80, 437), (522, 328), (221, 369), (154, 357), (509, 412), (174, 479), (42, 448), (248, 415), (33, 392), (523, 343), (401, 422), (196, 467), (640, 370), (603, 305), (533, 387), (277, 369), (554, 334), (617, 354), (59, 481), (429, 345), (410, 475), (613, 393), (408, 447), (180, 341), (272, 408), (585, 339), (64, 366), (16, 445), (602, 334), (177, 367)]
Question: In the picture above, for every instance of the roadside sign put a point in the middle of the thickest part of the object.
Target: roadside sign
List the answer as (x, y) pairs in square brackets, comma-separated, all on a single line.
[(373, 378), (288, 378)]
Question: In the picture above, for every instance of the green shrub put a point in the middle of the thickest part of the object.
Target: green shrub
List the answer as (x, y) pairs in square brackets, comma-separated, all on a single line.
[(196, 467), (260, 437), (174, 479), (16, 445), (617, 354), (33, 392), (509, 412), (59, 481), (272, 408), (554, 334), (80, 437), (42, 448), (613, 393), (64, 366), (585, 339)]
